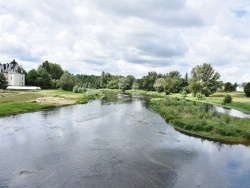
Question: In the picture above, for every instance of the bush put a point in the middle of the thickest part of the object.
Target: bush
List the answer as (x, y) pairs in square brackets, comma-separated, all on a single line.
[(81, 90), (247, 89), (227, 99), (75, 89), (167, 92), (199, 96), (184, 94)]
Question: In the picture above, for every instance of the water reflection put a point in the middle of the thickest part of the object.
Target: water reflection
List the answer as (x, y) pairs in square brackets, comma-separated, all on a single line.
[(113, 142)]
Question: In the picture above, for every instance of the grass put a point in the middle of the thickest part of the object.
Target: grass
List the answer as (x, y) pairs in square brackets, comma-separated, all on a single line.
[(14, 102), (240, 101), (202, 120), (188, 116), (17, 108), (152, 94)]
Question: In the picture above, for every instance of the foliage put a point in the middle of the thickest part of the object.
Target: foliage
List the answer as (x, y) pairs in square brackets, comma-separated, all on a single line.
[(92, 94), (199, 96), (229, 87), (227, 99), (126, 83), (167, 92), (53, 69), (43, 79), (174, 82), (194, 86), (159, 84), (105, 79), (32, 77), (204, 79), (88, 81), (148, 81), (201, 119), (3, 81), (67, 81), (247, 89), (184, 94), (46, 75)]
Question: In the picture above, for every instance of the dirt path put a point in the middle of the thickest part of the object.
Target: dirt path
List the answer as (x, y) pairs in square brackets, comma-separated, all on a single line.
[(55, 100)]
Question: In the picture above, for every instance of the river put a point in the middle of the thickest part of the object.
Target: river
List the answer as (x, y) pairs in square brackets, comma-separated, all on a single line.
[(113, 142)]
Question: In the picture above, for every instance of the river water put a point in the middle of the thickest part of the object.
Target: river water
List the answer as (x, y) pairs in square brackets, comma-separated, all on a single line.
[(113, 142)]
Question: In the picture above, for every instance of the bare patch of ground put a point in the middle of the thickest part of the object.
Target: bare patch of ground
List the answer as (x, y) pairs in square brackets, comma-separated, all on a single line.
[(55, 100)]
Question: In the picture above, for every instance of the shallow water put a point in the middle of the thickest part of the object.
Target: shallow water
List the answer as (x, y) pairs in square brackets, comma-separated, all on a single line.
[(113, 142), (232, 112)]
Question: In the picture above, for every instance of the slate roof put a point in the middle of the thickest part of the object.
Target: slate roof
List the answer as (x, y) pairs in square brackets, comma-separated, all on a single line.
[(11, 67)]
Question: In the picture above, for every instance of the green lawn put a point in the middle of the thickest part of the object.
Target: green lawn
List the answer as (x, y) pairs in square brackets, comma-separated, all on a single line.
[(14, 102)]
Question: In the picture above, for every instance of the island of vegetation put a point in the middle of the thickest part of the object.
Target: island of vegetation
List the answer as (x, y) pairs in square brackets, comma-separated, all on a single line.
[(185, 102)]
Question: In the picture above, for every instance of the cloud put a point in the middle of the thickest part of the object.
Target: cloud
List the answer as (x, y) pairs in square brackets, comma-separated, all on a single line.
[(128, 37)]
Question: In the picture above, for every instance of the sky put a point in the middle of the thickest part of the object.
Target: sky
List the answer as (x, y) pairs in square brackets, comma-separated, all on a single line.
[(128, 36)]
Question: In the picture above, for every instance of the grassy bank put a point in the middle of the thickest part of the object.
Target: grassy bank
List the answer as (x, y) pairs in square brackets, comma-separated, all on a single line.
[(240, 101), (202, 120), (14, 102)]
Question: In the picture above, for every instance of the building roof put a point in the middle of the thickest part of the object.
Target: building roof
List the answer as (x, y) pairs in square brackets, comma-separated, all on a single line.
[(11, 67)]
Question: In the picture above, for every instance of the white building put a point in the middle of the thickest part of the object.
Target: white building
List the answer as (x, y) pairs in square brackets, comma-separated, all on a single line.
[(240, 87), (13, 73)]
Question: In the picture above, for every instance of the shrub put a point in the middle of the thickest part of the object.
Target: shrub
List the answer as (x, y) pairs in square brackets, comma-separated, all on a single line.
[(247, 89), (75, 89), (246, 135), (184, 94), (227, 99), (199, 96), (81, 90), (167, 92)]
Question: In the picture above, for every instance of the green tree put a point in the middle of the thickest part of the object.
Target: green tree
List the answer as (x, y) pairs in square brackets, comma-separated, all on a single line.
[(174, 82), (206, 77), (159, 84), (53, 69), (228, 87), (149, 80), (44, 78), (129, 81), (105, 79), (194, 86), (247, 89), (67, 81), (32, 77), (3, 81)]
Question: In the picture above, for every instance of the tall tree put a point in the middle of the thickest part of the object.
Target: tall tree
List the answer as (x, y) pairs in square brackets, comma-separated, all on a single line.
[(228, 87), (3, 81), (105, 79), (207, 78), (174, 82), (67, 81), (159, 84), (32, 77), (44, 78), (149, 80), (53, 69)]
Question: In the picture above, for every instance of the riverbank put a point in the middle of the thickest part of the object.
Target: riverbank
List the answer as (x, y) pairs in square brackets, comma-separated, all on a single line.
[(15, 102), (201, 120), (189, 116), (240, 101)]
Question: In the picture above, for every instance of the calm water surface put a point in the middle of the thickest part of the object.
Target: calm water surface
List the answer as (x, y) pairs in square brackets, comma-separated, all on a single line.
[(232, 112), (113, 142)]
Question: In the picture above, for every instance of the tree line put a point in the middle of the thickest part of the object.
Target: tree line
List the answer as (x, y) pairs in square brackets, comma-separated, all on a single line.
[(203, 80)]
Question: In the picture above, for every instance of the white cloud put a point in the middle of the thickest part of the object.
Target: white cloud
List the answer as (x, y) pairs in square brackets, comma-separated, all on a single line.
[(128, 37)]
